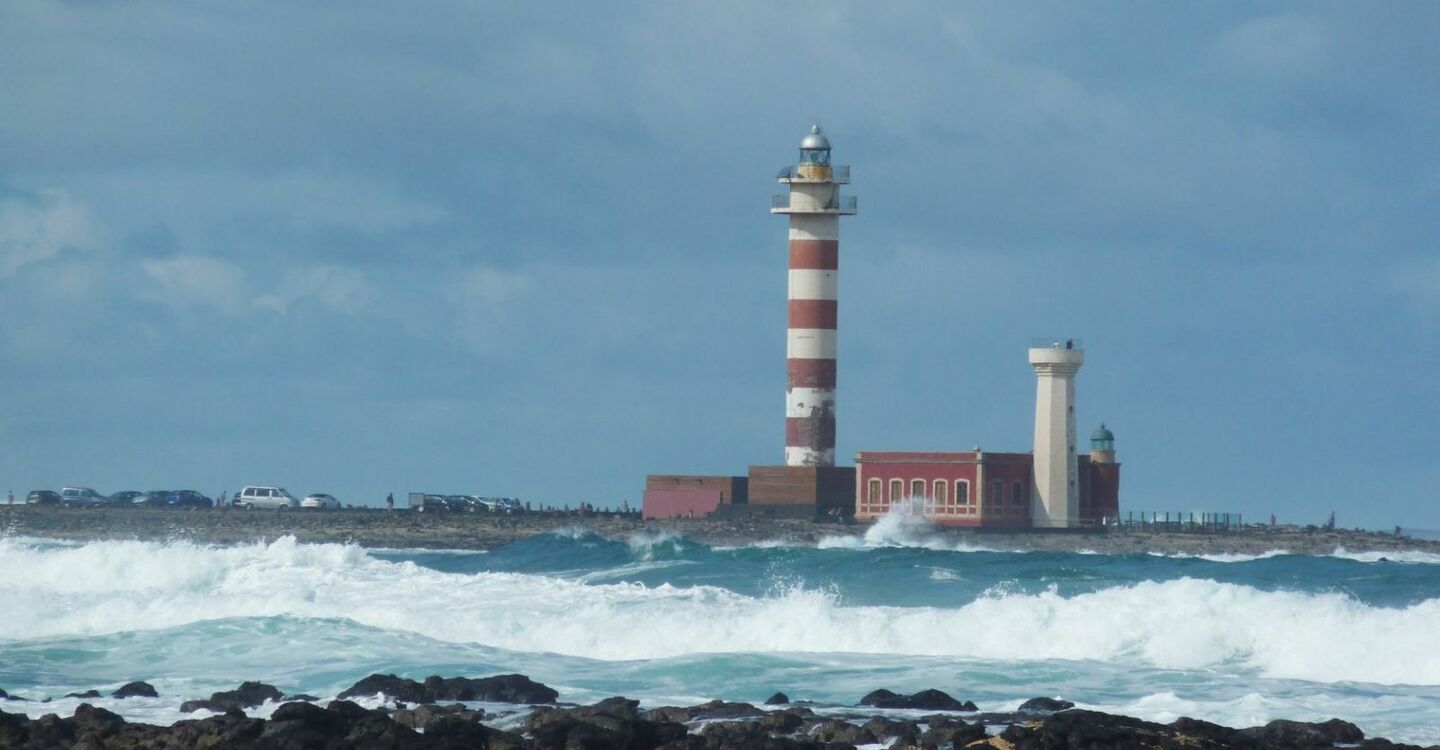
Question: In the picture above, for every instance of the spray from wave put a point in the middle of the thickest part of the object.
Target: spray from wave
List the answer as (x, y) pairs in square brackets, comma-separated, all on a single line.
[(900, 530), (114, 587)]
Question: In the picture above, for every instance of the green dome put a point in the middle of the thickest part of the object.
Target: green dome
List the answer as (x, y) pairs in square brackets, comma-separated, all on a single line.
[(1102, 433)]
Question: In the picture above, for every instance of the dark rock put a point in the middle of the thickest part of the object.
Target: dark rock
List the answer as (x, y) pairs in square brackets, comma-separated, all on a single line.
[(421, 716), (303, 726), (952, 732), (930, 700), (1299, 734), (778, 699), (712, 710), (190, 707), (784, 722), (349, 709), (1204, 731), (743, 735), (395, 688), (86, 694), (248, 695), (458, 732), (1381, 744), (51, 731), (1092, 729), (90, 716), (883, 728), (843, 731), (507, 688), (313, 717), (1044, 705), (611, 723), (135, 689), (4, 696)]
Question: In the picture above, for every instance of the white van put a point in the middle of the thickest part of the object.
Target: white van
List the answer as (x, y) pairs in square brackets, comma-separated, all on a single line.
[(265, 497)]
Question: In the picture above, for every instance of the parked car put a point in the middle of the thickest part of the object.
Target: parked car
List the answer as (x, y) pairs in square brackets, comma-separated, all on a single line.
[(320, 501), (152, 499), (124, 498), (43, 497), (468, 503), (188, 499), (76, 497), (500, 504), (429, 503), (265, 497)]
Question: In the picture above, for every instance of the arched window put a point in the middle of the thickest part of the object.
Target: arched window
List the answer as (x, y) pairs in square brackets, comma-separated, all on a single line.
[(897, 490), (917, 488), (1017, 493), (997, 493), (942, 492), (872, 492), (962, 492)]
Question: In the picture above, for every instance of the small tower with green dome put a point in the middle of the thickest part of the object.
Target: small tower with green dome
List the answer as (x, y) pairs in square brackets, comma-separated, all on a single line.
[(1102, 445)]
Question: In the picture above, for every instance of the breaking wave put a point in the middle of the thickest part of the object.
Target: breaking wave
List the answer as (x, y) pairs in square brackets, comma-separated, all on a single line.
[(115, 587), (900, 530)]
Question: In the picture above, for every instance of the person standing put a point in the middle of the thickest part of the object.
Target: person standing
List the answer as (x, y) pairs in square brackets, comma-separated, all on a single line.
[(390, 501)]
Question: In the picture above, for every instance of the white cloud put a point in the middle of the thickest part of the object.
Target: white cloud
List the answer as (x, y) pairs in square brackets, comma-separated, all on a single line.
[(195, 281), (493, 286), (40, 228), (1282, 45), (336, 288)]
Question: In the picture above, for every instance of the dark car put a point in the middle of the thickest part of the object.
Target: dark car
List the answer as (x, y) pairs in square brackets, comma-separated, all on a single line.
[(463, 502), (189, 499), (430, 503), (152, 499), (124, 498), (43, 497)]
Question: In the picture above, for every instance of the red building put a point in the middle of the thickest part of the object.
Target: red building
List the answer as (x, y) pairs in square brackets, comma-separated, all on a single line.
[(978, 488)]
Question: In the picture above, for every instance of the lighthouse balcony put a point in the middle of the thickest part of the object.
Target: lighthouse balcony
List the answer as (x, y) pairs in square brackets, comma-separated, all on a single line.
[(839, 174), (792, 203)]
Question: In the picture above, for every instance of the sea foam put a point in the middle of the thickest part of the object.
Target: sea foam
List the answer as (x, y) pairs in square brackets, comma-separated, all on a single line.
[(1186, 623)]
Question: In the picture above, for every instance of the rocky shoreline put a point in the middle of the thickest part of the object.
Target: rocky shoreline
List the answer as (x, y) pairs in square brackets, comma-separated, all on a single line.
[(404, 529), (521, 714)]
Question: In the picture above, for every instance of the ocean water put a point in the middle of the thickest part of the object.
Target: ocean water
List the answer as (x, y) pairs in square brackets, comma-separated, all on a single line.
[(1239, 640)]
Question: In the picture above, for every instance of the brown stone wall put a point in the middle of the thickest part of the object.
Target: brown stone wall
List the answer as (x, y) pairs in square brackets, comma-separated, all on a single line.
[(733, 490)]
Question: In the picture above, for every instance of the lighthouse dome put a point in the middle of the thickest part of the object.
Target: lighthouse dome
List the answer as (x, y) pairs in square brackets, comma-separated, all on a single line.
[(815, 140), (1102, 433)]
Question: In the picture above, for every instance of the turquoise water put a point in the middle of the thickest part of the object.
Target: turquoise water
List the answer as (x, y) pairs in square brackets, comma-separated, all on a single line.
[(1238, 640)]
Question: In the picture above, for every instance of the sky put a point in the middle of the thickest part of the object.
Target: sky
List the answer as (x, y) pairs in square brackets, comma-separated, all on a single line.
[(525, 249)]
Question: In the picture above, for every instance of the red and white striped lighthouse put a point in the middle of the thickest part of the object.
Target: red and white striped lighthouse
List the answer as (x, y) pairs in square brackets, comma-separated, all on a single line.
[(815, 206)]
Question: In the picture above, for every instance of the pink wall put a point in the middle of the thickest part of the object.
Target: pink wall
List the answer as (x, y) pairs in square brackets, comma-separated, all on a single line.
[(680, 503)]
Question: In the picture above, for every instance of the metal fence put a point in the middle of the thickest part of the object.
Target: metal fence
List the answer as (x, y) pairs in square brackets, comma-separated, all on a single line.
[(839, 173), (1203, 521)]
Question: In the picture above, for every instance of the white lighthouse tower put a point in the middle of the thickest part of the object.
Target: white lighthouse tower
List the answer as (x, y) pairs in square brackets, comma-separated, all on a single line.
[(815, 206), (1055, 503)]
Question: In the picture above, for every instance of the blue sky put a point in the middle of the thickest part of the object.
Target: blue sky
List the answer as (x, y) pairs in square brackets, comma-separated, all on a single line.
[(524, 249)]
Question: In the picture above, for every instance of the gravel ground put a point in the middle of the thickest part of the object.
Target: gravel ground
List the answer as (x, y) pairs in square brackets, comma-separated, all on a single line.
[(402, 528)]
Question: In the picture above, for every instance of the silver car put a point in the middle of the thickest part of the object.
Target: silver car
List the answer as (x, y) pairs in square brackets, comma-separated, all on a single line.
[(320, 501), (265, 497), (75, 497)]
